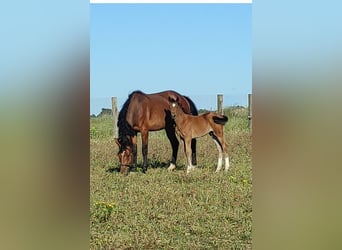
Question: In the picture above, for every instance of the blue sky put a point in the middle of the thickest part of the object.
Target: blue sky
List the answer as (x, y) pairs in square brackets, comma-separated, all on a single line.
[(199, 50)]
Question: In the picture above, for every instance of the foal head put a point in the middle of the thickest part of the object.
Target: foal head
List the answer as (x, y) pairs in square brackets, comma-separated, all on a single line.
[(175, 107), (125, 156)]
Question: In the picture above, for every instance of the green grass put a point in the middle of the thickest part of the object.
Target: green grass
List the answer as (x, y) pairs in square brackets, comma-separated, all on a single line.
[(162, 210), (101, 127)]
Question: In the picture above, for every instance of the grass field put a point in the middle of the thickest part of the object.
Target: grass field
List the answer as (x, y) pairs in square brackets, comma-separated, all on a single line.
[(163, 210)]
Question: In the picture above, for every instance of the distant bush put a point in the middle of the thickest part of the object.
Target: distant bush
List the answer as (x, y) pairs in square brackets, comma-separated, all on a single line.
[(201, 111)]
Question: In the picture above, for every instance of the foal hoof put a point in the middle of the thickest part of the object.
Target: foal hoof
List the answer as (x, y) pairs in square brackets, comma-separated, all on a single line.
[(190, 169), (171, 167)]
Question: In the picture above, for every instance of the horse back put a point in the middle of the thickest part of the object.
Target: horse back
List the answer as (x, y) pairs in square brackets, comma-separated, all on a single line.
[(147, 112)]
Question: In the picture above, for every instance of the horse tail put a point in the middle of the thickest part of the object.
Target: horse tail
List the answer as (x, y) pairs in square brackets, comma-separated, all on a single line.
[(193, 109), (220, 120)]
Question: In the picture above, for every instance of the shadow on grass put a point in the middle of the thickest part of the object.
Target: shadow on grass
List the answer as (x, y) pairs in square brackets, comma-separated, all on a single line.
[(159, 164), (113, 170), (151, 165)]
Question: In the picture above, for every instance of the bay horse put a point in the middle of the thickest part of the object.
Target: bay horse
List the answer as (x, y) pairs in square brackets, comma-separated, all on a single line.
[(148, 112), (189, 127)]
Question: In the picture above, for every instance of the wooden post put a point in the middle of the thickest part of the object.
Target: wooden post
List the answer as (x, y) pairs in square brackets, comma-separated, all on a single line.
[(250, 110), (220, 104), (115, 117)]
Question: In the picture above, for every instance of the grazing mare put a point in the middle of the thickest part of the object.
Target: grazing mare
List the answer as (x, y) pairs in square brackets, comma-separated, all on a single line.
[(148, 112), (189, 127)]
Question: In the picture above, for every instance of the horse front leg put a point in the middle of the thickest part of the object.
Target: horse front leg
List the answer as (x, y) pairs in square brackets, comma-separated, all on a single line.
[(144, 141), (134, 152), (170, 132), (193, 152)]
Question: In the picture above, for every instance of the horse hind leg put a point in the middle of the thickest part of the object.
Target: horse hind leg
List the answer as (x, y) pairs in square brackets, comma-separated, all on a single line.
[(144, 140), (225, 150), (220, 157), (224, 147), (134, 152), (219, 148)]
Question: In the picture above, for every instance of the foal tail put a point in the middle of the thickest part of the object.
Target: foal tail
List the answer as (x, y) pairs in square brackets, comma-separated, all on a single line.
[(220, 120)]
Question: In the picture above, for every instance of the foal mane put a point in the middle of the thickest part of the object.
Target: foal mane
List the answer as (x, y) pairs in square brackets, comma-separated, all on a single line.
[(125, 130)]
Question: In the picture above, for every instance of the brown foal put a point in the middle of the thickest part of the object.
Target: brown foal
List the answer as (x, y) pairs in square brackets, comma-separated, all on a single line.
[(189, 127)]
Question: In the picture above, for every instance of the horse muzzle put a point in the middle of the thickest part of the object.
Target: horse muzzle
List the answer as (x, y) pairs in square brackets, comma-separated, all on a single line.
[(124, 169)]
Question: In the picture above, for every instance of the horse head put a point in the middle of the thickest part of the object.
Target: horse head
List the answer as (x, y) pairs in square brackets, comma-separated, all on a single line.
[(125, 155)]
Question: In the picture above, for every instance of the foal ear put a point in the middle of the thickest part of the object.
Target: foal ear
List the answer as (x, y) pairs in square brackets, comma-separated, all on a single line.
[(173, 98)]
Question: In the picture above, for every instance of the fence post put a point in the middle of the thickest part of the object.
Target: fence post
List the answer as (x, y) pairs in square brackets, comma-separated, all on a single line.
[(250, 110), (220, 104), (115, 116)]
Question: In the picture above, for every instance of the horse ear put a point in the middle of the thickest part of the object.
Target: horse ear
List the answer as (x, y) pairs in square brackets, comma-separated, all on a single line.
[(117, 142)]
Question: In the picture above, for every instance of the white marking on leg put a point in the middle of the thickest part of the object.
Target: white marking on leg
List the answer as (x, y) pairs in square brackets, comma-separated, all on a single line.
[(188, 156), (189, 168), (219, 161), (219, 164), (171, 167), (226, 164)]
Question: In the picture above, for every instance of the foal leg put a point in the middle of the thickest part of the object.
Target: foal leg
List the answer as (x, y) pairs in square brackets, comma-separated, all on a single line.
[(219, 161), (187, 149), (225, 150), (219, 148), (144, 141)]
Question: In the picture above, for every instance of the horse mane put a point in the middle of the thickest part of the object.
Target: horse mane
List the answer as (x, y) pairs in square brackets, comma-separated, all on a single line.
[(125, 129)]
